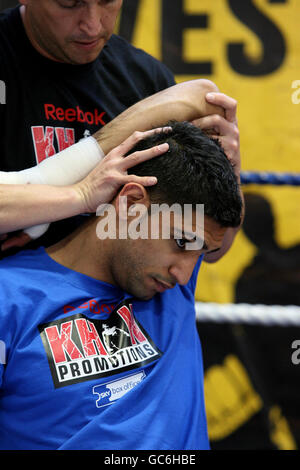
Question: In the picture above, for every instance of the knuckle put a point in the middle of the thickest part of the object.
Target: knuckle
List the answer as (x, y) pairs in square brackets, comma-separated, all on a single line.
[(231, 103), (118, 149), (109, 156), (112, 177), (114, 154), (137, 136), (110, 166), (208, 85), (134, 158), (235, 132), (234, 103), (108, 178), (234, 145), (217, 119)]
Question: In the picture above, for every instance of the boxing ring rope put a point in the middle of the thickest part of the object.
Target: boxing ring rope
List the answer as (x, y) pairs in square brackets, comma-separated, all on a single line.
[(276, 179), (268, 315), (259, 314)]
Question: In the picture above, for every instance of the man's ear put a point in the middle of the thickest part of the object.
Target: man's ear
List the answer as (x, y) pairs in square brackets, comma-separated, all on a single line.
[(130, 195)]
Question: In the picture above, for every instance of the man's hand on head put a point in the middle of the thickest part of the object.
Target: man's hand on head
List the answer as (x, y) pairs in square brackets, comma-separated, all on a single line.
[(103, 183), (224, 129)]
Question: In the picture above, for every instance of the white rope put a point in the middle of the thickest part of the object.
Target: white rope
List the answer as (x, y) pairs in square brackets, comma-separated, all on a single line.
[(245, 313)]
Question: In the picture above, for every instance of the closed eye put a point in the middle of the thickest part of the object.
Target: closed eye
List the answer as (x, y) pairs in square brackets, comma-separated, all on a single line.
[(69, 3), (181, 243), (212, 251)]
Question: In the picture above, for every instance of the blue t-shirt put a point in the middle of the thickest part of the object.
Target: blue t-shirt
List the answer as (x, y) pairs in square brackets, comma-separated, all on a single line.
[(89, 367)]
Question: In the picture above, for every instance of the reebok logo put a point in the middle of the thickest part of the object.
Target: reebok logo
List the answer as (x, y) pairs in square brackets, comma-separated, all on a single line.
[(74, 114)]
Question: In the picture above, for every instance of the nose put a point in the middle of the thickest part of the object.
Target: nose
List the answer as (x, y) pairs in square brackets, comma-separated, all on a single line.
[(91, 20), (182, 269)]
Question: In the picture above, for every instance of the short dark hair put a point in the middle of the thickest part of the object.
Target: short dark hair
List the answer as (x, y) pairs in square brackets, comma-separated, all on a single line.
[(195, 170)]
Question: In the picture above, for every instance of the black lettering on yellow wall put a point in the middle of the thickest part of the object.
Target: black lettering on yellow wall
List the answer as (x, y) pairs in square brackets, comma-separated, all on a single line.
[(174, 22), (274, 48)]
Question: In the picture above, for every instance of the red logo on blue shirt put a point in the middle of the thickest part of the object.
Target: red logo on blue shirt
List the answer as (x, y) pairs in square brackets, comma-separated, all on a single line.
[(80, 348)]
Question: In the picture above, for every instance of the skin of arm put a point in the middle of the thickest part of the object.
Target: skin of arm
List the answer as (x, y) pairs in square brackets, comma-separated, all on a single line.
[(22, 206), (182, 102)]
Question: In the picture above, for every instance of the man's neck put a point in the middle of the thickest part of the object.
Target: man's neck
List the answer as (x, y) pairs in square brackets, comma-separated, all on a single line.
[(84, 253)]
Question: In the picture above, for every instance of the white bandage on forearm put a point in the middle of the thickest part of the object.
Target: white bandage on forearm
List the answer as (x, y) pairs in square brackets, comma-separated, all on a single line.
[(66, 167), (36, 231)]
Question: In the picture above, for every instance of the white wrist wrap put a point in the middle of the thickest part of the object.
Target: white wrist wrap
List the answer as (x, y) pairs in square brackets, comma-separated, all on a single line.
[(64, 168), (67, 167), (36, 231)]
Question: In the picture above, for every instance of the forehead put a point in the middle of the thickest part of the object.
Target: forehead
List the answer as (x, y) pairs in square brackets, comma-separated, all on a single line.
[(71, 3)]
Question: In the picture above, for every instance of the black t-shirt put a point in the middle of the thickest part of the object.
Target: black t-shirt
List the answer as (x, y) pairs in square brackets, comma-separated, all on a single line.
[(51, 105)]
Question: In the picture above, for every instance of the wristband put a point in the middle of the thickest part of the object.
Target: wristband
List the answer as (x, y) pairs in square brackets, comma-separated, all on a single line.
[(67, 167)]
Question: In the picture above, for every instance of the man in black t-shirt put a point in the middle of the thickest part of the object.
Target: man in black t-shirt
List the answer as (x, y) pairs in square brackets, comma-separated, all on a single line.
[(66, 75)]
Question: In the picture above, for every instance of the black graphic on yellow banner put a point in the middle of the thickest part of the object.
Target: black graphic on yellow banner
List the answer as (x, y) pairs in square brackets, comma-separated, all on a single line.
[(178, 18), (230, 398), (231, 401)]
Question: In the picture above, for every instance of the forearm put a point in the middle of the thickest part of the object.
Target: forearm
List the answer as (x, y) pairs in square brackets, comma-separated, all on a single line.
[(23, 205), (182, 102), (26, 205)]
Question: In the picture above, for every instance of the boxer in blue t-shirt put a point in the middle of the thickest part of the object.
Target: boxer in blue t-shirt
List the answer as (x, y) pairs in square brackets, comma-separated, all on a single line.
[(102, 350)]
